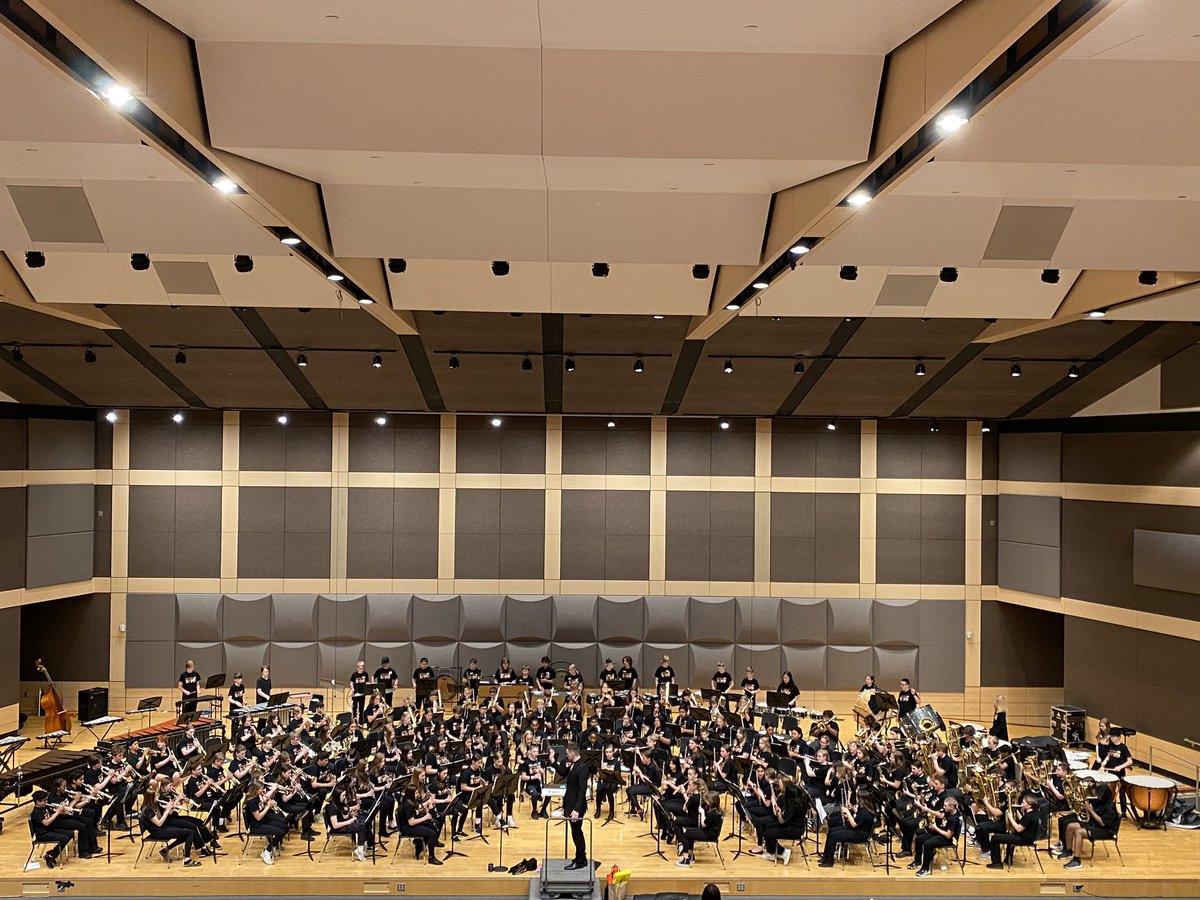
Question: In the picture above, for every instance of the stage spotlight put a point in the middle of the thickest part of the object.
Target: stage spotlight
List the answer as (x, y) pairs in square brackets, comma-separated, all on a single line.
[(364, 299), (139, 262), (397, 266), (858, 199), (933, 427), (17, 355), (1050, 276), (1015, 370), (301, 360), (658, 316), (180, 357), (639, 366), (117, 94), (527, 364), (290, 240), (243, 263), (454, 362), (111, 416), (948, 275), (35, 259), (89, 355), (848, 273), (599, 270), (335, 277), (728, 367), (831, 425), (177, 418), (798, 368), (799, 249), (500, 268), (700, 271), (377, 361), (497, 422), (733, 305), (724, 424), (612, 423), (950, 121), (919, 370), (1148, 278), (1073, 372), (761, 285), (381, 420), (569, 364), (282, 420)]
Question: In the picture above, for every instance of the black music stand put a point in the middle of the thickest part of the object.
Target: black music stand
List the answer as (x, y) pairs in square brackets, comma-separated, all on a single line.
[(479, 796), (739, 807), (188, 718), (617, 780), (146, 707), (504, 786), (657, 812)]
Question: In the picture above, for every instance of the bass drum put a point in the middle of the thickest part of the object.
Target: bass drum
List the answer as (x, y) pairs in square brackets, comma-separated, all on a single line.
[(1151, 797)]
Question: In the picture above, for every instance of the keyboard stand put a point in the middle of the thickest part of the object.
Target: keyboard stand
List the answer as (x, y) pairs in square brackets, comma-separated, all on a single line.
[(108, 726)]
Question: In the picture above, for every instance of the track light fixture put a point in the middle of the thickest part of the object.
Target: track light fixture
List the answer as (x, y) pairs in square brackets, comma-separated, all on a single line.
[(527, 364), (733, 305), (950, 121), (1073, 372), (225, 185), (919, 370), (500, 268), (1050, 276), (1015, 370), (397, 266), (497, 422), (290, 240), (17, 355), (948, 275), (859, 198), (599, 270), (381, 420), (281, 419), (985, 428), (612, 423), (454, 362), (243, 263), (35, 259), (799, 249), (377, 361), (798, 368), (1097, 313), (139, 262), (728, 367), (177, 418), (89, 355), (117, 95), (335, 277), (723, 424), (180, 357), (639, 366), (301, 360), (111, 417), (761, 285), (831, 425), (848, 273), (364, 299), (1149, 278), (701, 271), (933, 427), (569, 364)]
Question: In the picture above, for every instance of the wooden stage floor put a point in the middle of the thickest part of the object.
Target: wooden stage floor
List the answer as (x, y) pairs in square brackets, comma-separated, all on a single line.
[(1157, 864)]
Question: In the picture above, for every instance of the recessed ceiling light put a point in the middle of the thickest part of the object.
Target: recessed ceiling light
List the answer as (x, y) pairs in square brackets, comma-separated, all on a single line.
[(365, 300), (950, 121), (761, 285), (933, 427), (733, 306), (497, 422), (180, 357), (658, 316), (831, 425), (225, 185), (1050, 276), (724, 423), (526, 364), (291, 240), (282, 420), (612, 423), (35, 259), (600, 270), (859, 198), (243, 263), (919, 370), (799, 249), (639, 366), (111, 416), (117, 94), (985, 429), (177, 418), (1097, 313), (798, 368), (336, 276), (381, 420), (1149, 278)]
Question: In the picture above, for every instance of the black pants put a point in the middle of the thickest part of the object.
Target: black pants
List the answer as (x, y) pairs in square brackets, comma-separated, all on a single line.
[(272, 831), (360, 831), (1000, 841), (358, 704), (929, 847), (908, 828), (174, 836), (426, 833), (82, 826), (60, 839), (689, 836), (579, 842), (772, 836), (637, 790), (839, 836)]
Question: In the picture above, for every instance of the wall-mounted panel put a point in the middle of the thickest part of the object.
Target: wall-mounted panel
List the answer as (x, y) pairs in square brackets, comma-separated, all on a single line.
[(246, 617), (1031, 457), (528, 618), (388, 617), (198, 618), (482, 617), (757, 620), (294, 618), (1029, 567), (666, 620), (58, 559), (574, 618), (804, 621), (620, 619), (61, 444), (711, 620), (1168, 561), (896, 623), (437, 619)]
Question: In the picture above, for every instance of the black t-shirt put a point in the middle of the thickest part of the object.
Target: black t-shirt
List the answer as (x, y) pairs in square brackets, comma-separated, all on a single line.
[(423, 676), (609, 676), (237, 694), (950, 767), (1029, 826), (472, 675), (628, 675), (262, 690), (38, 816), (1116, 754), (664, 675), (357, 680), (190, 682), (570, 682), (721, 681), (386, 677), (750, 685), (907, 701), (545, 676), (505, 676), (788, 689)]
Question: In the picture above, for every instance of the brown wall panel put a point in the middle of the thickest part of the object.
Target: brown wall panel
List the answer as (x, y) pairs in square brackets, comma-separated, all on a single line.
[(70, 636), (1021, 647)]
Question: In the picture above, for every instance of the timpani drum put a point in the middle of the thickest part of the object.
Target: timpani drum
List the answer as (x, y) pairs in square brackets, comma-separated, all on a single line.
[(1151, 796), (1109, 778)]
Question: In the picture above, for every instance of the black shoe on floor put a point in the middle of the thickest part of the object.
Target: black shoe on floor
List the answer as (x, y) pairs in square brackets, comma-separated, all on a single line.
[(434, 861), (576, 864), (51, 860)]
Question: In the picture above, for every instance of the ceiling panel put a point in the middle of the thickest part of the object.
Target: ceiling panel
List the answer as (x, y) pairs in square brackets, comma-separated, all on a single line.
[(864, 388), (754, 336), (756, 387), (26, 326), (1081, 339), (913, 337), (25, 390), (115, 379), (1163, 29), (214, 326), (348, 328), (984, 389), (491, 384), (608, 385), (220, 378), (348, 381), (480, 331), (623, 334)]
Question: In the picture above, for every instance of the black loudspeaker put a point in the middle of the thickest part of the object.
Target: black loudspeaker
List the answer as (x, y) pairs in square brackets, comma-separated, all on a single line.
[(93, 704)]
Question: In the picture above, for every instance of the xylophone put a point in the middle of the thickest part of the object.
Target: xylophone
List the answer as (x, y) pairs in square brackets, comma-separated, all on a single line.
[(171, 728)]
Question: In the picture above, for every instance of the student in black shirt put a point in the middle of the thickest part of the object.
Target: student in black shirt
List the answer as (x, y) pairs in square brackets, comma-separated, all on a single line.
[(525, 678), (868, 684), (628, 673), (1102, 824), (858, 825), (942, 833), (664, 674), (750, 684), (545, 675), (47, 828), (721, 679), (609, 675), (423, 680), (387, 678), (787, 687), (262, 687), (189, 688), (907, 699), (572, 681), (358, 686), (945, 765), (237, 693), (505, 674), (1023, 826), (472, 675)]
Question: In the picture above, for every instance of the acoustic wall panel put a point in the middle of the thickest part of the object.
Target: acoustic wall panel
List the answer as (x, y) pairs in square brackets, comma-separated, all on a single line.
[(388, 617), (150, 664), (400, 655), (530, 653), (445, 653), (341, 617), (151, 617), (528, 618), (246, 617), (846, 666), (1166, 560), (666, 620), (765, 659), (247, 657), (711, 620), (197, 618), (757, 620), (652, 655), (61, 444), (294, 663), (60, 508), (1031, 457), (1029, 519), (209, 659), (803, 621), (894, 663), (582, 654), (336, 659), (620, 619), (616, 651), (704, 658), (293, 618), (807, 665), (437, 618), (482, 617), (850, 621), (1029, 567), (896, 623), (574, 618)]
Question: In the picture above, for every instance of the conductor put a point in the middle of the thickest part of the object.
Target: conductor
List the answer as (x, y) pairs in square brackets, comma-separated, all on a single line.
[(574, 807)]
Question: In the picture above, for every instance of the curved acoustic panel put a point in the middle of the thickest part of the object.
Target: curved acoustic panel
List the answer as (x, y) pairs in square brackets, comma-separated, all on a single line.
[(704, 659), (681, 662), (846, 667), (335, 660), (575, 618), (528, 618), (803, 621), (896, 623), (246, 658), (294, 618), (482, 617), (807, 665), (757, 620), (400, 655), (894, 663), (667, 620), (615, 651), (620, 619), (441, 653), (246, 617), (294, 663), (711, 620), (209, 660), (849, 621), (387, 617), (766, 660), (197, 618), (341, 617), (436, 619), (489, 655)]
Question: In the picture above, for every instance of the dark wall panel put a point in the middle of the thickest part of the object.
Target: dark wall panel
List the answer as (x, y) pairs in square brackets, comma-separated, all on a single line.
[(1030, 457), (590, 447), (1020, 647), (519, 447), (12, 444), (157, 442), (908, 449), (12, 538), (70, 636), (61, 444), (702, 447), (403, 444), (805, 448), (11, 673), (1166, 560)]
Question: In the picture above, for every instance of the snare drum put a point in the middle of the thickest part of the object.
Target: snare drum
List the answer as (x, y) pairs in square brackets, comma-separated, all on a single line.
[(1150, 796)]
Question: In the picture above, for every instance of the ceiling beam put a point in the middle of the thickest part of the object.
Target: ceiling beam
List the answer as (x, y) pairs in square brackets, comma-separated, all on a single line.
[(939, 378), (37, 376), (150, 363), (837, 342), (552, 362), (261, 332), (15, 292)]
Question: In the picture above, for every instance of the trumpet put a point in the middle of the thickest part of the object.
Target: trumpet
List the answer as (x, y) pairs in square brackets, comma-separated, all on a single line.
[(65, 806)]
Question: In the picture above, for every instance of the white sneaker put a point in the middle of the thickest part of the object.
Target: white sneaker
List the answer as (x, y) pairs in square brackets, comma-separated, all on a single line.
[(787, 855), (511, 823), (268, 858), (769, 857), (360, 854)]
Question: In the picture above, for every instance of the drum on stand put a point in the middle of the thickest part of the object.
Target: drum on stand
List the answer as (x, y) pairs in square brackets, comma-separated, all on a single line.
[(1109, 778), (1151, 796)]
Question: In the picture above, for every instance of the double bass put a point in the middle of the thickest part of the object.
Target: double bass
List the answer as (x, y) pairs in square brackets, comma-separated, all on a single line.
[(56, 717)]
